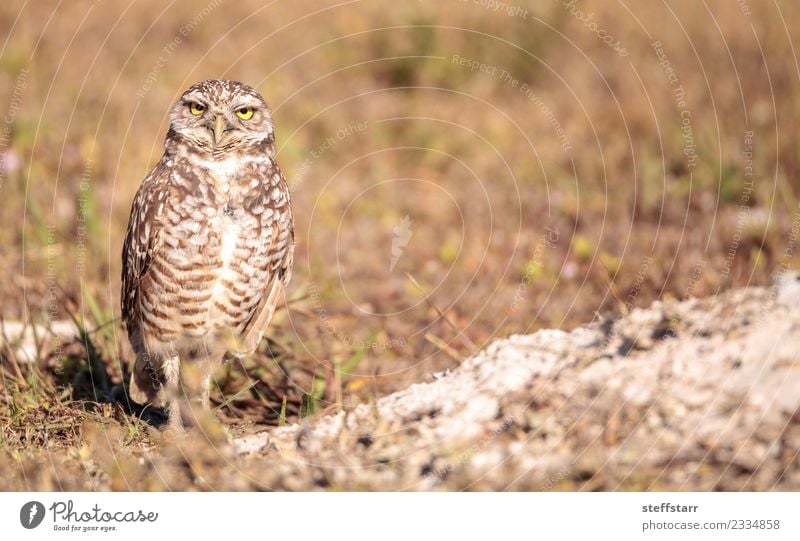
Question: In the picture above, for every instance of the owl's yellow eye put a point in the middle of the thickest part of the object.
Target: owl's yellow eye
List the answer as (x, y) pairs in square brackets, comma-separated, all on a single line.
[(197, 108), (245, 113)]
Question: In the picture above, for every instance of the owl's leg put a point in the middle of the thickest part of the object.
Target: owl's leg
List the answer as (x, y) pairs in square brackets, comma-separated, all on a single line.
[(209, 368), (172, 384), (205, 393), (196, 377)]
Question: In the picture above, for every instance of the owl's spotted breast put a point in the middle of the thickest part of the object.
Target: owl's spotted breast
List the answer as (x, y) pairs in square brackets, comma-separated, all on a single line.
[(220, 253)]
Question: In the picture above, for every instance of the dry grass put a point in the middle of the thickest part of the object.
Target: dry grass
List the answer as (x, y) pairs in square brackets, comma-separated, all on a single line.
[(509, 232)]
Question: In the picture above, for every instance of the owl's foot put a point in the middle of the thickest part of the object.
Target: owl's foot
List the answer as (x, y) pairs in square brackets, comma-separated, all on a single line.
[(176, 416)]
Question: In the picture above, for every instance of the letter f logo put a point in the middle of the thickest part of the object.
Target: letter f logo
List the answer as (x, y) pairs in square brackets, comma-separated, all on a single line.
[(31, 515)]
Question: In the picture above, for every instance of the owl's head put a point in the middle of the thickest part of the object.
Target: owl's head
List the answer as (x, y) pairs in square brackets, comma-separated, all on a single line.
[(218, 116)]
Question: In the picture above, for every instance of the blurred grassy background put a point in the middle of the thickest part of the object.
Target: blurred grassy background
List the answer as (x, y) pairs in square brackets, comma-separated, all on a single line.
[(527, 165)]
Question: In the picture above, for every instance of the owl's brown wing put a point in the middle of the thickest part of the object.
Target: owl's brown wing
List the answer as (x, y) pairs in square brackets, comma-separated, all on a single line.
[(280, 262), (255, 328), (142, 240)]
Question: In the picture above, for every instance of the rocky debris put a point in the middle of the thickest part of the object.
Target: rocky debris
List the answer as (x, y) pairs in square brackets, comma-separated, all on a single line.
[(27, 340), (694, 395)]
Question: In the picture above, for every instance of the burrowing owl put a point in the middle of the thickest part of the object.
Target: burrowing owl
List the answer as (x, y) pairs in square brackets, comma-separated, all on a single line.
[(209, 245)]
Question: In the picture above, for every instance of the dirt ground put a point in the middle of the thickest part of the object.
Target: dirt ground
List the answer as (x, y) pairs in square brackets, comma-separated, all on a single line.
[(700, 395)]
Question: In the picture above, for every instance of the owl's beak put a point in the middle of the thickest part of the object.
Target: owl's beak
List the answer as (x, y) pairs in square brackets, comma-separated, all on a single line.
[(219, 128)]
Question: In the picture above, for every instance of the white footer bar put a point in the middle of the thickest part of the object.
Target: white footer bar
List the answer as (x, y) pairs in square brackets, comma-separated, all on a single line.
[(400, 516)]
